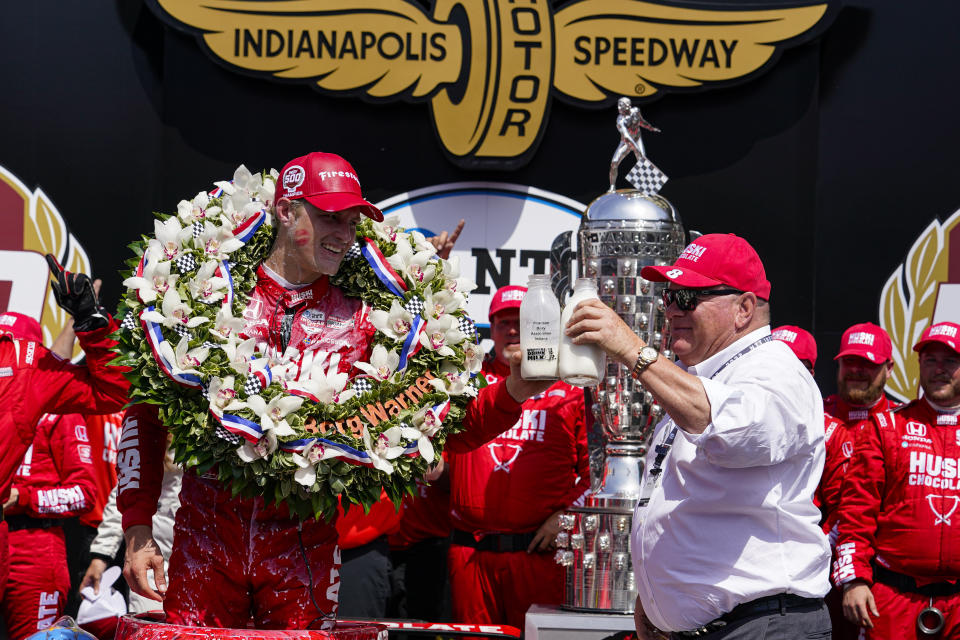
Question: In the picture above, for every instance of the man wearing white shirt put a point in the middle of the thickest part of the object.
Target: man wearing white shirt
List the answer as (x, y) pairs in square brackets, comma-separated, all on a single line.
[(726, 542)]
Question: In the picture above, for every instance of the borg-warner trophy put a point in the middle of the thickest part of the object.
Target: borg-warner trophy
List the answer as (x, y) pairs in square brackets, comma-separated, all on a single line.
[(621, 232)]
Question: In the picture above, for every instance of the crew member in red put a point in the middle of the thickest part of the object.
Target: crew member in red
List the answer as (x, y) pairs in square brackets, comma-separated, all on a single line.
[(864, 366), (898, 552), (800, 341), (235, 556), (55, 481), (506, 497), (33, 381)]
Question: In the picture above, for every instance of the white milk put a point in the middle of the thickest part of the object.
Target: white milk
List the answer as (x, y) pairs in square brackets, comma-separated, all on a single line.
[(580, 364), (539, 330)]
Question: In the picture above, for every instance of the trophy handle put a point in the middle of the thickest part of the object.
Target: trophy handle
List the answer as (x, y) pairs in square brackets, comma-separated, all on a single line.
[(561, 259)]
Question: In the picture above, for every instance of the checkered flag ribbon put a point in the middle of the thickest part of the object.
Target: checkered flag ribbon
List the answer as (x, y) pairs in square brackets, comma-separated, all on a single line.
[(129, 322), (415, 305), (232, 438), (185, 262), (252, 385), (197, 228), (353, 252), (466, 326), (646, 177), (361, 385), (182, 331)]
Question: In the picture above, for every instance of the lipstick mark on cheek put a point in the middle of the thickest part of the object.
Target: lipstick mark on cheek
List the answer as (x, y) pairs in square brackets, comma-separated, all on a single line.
[(302, 237)]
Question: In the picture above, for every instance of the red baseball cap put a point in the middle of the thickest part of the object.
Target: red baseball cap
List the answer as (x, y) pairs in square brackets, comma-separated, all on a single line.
[(866, 340), (799, 340), (713, 259), (506, 298), (20, 326), (947, 333), (326, 181)]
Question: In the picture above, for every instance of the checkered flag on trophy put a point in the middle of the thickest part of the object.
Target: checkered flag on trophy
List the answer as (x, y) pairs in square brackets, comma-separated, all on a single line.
[(646, 177)]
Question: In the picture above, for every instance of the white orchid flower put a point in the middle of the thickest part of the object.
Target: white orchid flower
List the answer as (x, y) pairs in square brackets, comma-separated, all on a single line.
[(473, 357), (386, 447), (184, 359), (314, 453), (234, 216), (272, 414), (440, 333), (383, 364), (206, 287), (395, 323), (156, 279), (240, 354), (198, 209), (263, 448), (440, 303), (173, 312), (453, 382), (216, 242), (225, 324), (416, 267), (326, 385), (389, 229), (168, 238), (421, 243), (452, 280), (222, 395)]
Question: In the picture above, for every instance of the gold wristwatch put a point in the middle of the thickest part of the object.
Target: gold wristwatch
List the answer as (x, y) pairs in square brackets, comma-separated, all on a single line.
[(647, 356)]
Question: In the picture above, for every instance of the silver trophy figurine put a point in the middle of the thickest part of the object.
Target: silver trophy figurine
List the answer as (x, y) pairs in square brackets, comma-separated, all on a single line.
[(621, 232)]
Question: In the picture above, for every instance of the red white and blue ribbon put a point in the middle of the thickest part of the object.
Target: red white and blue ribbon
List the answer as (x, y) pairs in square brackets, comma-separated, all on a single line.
[(390, 278), (248, 430), (223, 271), (346, 453), (412, 344), (217, 192), (155, 339), (245, 231)]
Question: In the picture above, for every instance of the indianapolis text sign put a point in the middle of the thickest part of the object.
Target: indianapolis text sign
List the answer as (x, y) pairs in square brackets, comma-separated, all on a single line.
[(488, 68)]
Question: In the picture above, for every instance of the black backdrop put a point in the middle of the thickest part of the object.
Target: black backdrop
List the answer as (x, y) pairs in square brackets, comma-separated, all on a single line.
[(831, 163)]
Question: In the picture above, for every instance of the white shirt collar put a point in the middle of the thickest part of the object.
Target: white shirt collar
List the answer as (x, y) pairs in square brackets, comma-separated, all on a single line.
[(710, 366)]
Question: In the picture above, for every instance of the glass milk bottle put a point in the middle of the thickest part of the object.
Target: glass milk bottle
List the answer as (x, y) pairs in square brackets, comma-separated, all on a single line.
[(580, 364), (539, 330)]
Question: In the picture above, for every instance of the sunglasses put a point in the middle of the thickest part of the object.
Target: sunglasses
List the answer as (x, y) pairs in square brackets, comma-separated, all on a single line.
[(688, 299)]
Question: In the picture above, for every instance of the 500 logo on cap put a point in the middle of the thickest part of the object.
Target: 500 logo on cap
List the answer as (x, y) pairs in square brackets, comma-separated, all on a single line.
[(292, 178), (489, 68)]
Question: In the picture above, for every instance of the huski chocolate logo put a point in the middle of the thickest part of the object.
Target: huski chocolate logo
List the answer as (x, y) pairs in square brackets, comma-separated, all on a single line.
[(489, 68)]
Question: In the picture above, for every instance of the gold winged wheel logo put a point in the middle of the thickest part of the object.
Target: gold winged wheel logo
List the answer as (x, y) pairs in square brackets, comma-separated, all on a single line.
[(488, 68), (910, 297), (33, 227)]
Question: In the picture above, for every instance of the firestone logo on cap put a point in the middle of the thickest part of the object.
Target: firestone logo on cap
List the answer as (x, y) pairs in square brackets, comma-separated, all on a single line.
[(693, 252), (945, 330), (861, 337), (292, 178), (342, 174), (8, 320), (514, 294), (785, 335)]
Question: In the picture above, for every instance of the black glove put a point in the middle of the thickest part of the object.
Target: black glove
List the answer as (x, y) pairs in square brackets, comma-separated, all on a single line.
[(74, 293)]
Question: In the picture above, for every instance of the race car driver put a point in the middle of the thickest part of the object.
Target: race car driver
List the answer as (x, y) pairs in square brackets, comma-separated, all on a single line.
[(237, 556), (55, 481), (506, 497), (33, 381), (898, 552)]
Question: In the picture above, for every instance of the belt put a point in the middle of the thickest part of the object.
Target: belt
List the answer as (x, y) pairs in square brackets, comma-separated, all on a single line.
[(501, 542), (903, 582), (18, 522), (780, 603)]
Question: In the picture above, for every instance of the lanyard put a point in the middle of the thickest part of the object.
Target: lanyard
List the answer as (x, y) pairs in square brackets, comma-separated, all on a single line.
[(664, 448)]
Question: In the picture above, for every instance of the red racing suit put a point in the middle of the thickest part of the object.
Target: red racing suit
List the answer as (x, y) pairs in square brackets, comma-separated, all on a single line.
[(232, 555), (104, 433), (55, 480), (843, 422), (511, 486), (34, 381), (897, 517)]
